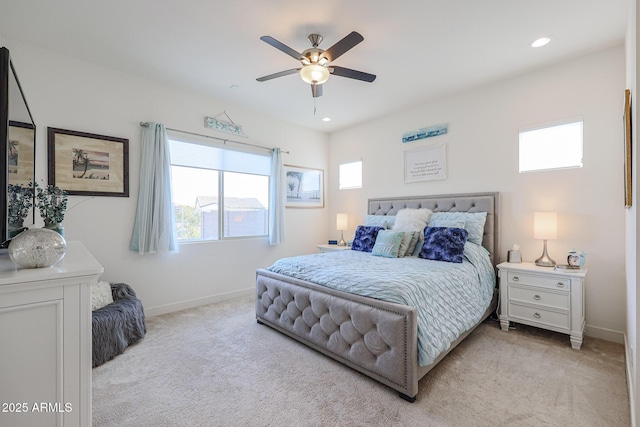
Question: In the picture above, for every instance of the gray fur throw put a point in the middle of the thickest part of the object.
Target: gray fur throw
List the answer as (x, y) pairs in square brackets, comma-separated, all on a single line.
[(117, 325)]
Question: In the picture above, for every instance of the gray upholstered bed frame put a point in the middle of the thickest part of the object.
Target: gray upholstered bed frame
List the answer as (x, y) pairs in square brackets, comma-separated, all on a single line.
[(313, 314)]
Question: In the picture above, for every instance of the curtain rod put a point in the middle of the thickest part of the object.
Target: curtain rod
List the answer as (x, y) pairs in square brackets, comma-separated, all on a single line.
[(146, 125)]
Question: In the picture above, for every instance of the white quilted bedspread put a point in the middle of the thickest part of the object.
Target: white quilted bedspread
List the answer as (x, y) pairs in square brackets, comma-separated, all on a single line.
[(450, 298)]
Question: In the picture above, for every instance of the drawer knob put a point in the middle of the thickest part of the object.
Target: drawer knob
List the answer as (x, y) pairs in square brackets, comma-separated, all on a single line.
[(560, 285), (536, 315), (536, 297), (516, 278)]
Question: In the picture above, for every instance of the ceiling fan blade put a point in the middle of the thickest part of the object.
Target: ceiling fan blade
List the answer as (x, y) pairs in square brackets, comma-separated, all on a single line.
[(352, 74), (276, 75), (342, 46), (283, 47), (316, 90)]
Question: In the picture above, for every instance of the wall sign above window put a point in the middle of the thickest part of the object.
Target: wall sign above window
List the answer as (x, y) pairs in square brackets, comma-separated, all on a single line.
[(223, 125)]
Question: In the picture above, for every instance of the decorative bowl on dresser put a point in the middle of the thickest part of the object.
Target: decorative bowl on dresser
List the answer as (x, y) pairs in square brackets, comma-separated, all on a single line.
[(543, 297)]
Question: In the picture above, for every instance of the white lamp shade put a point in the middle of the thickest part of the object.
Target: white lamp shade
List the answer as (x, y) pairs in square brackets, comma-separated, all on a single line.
[(314, 73), (341, 221), (545, 225)]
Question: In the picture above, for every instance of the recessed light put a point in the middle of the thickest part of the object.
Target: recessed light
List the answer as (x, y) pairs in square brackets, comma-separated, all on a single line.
[(326, 119), (540, 42)]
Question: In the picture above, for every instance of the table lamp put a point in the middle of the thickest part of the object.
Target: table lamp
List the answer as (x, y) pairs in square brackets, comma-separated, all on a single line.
[(341, 225), (545, 227)]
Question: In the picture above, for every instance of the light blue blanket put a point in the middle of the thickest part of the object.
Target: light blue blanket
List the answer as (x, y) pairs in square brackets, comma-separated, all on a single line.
[(450, 298)]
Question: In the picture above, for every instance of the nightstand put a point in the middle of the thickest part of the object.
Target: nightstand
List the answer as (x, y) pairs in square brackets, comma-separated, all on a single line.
[(543, 297), (332, 248)]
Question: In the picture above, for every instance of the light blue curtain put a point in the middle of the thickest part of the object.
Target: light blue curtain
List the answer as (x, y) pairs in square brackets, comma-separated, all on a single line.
[(154, 229), (276, 199)]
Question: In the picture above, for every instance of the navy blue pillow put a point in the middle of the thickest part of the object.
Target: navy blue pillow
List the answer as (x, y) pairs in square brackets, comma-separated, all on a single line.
[(444, 244), (365, 238)]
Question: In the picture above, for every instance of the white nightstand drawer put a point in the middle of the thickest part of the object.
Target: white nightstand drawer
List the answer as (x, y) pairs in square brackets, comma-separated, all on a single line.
[(538, 315), (558, 283), (529, 295)]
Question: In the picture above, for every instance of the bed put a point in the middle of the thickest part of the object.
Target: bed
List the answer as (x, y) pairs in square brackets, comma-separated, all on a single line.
[(383, 339)]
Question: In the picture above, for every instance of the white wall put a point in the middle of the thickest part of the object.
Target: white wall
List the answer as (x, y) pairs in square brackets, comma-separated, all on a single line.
[(70, 94), (482, 152)]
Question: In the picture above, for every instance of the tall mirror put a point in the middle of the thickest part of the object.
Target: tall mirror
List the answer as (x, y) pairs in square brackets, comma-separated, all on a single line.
[(17, 152)]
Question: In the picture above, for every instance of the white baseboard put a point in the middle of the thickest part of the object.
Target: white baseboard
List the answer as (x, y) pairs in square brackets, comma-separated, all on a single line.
[(183, 305), (605, 334), (630, 384)]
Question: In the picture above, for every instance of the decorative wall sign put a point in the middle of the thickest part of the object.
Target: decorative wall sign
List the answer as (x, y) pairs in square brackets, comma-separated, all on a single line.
[(627, 149), (426, 164), (224, 126), (88, 164), (428, 132), (305, 187)]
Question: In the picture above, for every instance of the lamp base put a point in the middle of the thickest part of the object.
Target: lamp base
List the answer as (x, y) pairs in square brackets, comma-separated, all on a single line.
[(341, 242), (545, 260)]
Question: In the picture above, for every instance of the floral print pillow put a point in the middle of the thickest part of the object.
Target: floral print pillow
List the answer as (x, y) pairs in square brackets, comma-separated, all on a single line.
[(444, 244), (365, 238)]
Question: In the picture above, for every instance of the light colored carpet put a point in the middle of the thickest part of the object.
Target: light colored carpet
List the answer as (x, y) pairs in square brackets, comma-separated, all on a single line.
[(215, 366)]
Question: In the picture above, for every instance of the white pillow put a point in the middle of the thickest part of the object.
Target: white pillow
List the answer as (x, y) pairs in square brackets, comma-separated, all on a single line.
[(410, 219), (100, 295)]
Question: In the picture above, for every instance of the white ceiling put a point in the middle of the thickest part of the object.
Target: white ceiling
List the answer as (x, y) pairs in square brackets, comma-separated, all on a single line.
[(419, 50)]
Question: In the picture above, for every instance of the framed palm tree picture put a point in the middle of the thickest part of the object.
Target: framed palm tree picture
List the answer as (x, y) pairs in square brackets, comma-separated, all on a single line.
[(88, 164), (305, 187)]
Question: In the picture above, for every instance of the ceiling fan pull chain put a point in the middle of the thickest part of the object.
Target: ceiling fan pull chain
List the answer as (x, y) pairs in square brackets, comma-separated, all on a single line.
[(314, 106)]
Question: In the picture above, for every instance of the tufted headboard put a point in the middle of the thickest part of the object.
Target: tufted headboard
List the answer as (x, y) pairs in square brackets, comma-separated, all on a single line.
[(470, 202)]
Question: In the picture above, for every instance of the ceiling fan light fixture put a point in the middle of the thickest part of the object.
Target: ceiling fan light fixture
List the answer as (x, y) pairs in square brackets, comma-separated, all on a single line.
[(314, 74)]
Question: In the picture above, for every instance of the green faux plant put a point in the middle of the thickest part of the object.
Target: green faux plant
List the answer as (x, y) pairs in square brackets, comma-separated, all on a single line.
[(20, 203), (52, 203)]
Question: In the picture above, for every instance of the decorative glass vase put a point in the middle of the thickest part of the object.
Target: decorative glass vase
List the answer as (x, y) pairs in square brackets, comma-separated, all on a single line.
[(55, 226), (37, 247)]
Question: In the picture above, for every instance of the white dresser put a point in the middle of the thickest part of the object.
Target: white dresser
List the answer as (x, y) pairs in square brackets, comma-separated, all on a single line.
[(45, 341), (543, 297)]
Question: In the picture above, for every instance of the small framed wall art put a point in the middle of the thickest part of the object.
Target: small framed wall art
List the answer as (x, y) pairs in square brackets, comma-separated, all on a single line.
[(88, 164), (305, 187)]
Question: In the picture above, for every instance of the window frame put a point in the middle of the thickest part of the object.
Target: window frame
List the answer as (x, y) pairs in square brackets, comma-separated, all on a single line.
[(220, 223)]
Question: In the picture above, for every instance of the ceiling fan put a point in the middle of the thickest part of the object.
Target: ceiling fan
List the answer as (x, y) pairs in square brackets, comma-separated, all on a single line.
[(315, 62)]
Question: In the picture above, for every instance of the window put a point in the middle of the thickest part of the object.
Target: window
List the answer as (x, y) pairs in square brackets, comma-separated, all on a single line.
[(218, 193), (350, 175), (551, 147)]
